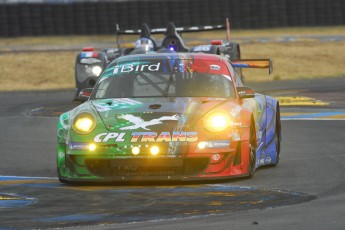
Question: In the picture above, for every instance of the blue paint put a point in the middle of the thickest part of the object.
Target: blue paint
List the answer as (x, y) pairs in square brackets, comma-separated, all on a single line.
[(71, 218)]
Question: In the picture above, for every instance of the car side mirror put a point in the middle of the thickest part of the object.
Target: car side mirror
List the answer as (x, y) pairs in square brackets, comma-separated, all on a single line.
[(245, 92), (85, 94)]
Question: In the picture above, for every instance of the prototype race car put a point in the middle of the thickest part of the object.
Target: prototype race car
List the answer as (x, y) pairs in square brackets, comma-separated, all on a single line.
[(90, 63), (161, 116)]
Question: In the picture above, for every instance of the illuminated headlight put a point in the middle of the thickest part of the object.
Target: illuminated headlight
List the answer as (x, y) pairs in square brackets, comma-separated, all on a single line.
[(92, 147), (154, 150), (84, 123), (217, 121), (96, 70)]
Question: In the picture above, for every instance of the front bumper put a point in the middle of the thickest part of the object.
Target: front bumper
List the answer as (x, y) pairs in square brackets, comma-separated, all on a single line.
[(104, 166)]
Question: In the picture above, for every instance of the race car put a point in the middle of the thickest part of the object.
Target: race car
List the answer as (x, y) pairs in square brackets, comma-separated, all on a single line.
[(90, 63), (169, 117)]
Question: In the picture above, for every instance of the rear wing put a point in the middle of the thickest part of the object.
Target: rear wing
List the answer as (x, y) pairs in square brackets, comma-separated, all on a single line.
[(254, 63), (178, 29)]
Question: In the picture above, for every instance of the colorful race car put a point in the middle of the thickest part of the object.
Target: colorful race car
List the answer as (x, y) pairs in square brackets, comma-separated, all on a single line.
[(90, 63), (161, 116)]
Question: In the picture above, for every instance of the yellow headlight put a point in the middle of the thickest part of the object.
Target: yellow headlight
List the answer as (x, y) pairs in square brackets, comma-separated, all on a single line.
[(217, 121), (154, 150), (84, 123), (92, 147), (96, 70)]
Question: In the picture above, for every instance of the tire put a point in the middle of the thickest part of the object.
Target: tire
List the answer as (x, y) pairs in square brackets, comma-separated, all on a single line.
[(252, 152), (60, 178), (277, 137), (63, 181)]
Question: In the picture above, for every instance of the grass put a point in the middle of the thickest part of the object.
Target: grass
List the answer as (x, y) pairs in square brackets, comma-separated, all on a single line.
[(304, 58), (297, 60)]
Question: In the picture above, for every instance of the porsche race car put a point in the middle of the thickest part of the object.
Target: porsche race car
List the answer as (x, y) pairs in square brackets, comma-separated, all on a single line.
[(90, 63), (169, 116)]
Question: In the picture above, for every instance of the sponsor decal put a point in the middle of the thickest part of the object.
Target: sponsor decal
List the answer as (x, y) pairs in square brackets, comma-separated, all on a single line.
[(89, 61), (236, 124), (258, 135), (215, 144), (268, 160), (136, 67), (236, 137), (140, 123), (119, 103), (216, 157), (105, 137), (214, 67), (203, 48), (151, 137), (77, 146), (164, 137), (218, 144), (236, 111), (264, 159)]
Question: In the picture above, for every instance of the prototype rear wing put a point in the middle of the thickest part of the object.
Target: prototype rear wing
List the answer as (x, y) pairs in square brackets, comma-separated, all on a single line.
[(254, 63), (163, 30), (178, 29)]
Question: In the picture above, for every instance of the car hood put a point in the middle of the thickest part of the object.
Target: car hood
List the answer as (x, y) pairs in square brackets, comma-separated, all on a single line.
[(154, 114)]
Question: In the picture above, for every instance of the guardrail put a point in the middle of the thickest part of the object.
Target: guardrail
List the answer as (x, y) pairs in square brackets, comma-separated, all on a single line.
[(38, 19)]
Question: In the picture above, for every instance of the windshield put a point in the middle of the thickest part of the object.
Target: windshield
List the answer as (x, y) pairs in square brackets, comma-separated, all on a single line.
[(164, 78)]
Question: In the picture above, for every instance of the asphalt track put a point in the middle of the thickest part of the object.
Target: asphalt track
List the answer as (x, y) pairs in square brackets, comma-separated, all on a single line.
[(305, 191)]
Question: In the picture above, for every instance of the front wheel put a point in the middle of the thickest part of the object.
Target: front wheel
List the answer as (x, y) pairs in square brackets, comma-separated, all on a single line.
[(252, 153), (277, 137)]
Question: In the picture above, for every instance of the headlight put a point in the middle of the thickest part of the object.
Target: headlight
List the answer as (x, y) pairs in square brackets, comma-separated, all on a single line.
[(84, 123), (96, 70), (217, 121), (154, 150)]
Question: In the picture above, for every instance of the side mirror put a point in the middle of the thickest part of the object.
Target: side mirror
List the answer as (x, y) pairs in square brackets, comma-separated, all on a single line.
[(85, 94), (245, 92)]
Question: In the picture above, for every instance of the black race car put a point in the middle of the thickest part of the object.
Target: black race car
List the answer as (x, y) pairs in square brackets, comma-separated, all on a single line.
[(90, 63)]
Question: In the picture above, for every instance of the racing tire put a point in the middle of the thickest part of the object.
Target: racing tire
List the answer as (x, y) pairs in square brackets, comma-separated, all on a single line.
[(277, 137), (60, 178), (252, 152), (63, 181)]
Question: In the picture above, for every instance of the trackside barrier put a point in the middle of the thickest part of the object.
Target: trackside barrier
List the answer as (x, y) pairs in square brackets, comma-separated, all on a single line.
[(39, 19)]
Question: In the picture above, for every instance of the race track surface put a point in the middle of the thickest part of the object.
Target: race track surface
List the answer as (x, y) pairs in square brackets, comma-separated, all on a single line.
[(305, 191)]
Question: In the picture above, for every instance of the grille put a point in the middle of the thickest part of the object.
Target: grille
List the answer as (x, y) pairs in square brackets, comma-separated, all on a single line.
[(146, 167)]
